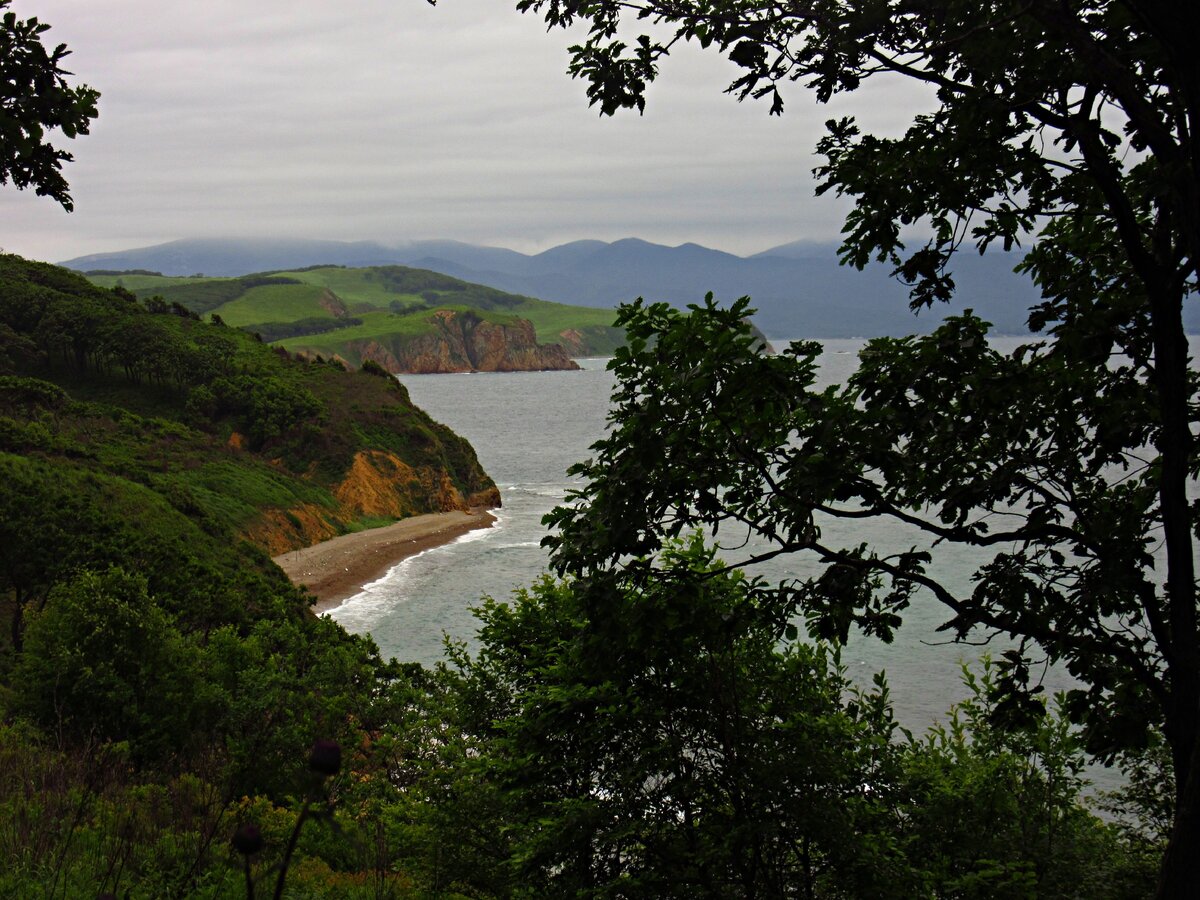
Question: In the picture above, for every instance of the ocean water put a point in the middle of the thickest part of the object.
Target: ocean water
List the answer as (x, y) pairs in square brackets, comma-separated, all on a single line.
[(528, 428)]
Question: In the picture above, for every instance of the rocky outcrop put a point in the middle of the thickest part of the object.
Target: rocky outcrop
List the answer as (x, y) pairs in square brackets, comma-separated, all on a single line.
[(465, 342), (573, 340), (378, 484), (332, 304)]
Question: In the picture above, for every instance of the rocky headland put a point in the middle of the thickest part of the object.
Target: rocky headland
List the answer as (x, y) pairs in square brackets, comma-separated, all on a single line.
[(466, 342)]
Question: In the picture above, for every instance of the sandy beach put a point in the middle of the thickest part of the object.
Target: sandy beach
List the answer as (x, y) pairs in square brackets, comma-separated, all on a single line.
[(338, 568)]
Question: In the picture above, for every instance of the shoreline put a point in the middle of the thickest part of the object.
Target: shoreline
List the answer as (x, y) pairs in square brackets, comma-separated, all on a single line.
[(337, 569)]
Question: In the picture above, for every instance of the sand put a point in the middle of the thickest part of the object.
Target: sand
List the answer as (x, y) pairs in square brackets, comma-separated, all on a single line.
[(338, 568)]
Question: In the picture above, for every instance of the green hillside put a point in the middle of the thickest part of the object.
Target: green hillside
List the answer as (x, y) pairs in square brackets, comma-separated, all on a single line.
[(155, 665), (379, 325), (204, 413), (279, 303), (320, 309)]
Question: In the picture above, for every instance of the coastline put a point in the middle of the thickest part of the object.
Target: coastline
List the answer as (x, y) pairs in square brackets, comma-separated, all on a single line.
[(338, 568)]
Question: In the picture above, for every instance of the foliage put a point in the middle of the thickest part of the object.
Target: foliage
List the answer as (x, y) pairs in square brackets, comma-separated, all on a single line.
[(215, 380), (140, 618), (995, 811), (922, 422), (940, 434), (201, 295), (277, 331), (139, 614), (35, 97), (70, 677), (673, 750), (1072, 124), (679, 748)]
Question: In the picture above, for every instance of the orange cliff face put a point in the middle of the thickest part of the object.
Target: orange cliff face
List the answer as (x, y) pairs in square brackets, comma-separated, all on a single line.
[(377, 485), (463, 342)]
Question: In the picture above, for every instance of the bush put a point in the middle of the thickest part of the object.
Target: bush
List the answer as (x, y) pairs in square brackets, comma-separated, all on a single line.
[(103, 661), (370, 367)]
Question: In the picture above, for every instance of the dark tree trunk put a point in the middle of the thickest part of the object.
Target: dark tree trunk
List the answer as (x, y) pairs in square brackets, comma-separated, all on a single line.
[(1180, 874), (18, 623)]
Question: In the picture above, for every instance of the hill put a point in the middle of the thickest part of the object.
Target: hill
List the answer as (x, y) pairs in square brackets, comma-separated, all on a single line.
[(806, 294), (408, 320), (155, 665), (259, 444), (799, 289)]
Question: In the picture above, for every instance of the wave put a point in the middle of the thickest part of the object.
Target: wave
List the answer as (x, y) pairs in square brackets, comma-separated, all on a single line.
[(388, 590), (553, 490)]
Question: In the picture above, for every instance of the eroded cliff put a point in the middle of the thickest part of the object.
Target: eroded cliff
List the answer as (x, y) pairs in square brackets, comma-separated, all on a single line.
[(378, 485), (466, 342)]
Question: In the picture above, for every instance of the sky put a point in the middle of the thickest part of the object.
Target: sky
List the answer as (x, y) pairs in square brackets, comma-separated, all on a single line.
[(391, 120)]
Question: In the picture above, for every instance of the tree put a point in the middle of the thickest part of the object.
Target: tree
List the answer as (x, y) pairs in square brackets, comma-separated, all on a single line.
[(655, 740), (1071, 123), (103, 660), (47, 526), (35, 97), (614, 737)]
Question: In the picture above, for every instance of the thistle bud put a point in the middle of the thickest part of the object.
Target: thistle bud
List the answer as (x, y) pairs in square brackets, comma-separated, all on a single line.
[(247, 840), (326, 757)]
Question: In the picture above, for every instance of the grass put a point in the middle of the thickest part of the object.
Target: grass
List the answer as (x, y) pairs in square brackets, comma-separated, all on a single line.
[(384, 326), (146, 283), (356, 286), (276, 303), (234, 493), (366, 523), (368, 293), (550, 320)]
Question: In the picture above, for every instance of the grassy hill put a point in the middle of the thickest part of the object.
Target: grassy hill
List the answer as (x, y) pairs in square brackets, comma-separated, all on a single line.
[(257, 442), (155, 665), (323, 309)]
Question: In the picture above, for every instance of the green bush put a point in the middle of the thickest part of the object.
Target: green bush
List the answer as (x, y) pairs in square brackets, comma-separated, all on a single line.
[(103, 661)]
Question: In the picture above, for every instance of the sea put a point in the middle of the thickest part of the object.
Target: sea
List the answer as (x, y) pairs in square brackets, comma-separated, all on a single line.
[(528, 428)]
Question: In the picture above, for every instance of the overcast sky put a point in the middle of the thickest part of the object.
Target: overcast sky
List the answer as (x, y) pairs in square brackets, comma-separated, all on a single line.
[(391, 120)]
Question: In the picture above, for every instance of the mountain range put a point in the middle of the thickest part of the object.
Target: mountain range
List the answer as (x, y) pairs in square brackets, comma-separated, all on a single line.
[(799, 289)]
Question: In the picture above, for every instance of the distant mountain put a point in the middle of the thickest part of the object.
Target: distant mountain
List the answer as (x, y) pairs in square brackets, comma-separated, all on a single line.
[(799, 289), (225, 257)]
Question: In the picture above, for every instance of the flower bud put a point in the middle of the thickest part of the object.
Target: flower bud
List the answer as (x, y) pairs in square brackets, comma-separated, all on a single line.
[(247, 839), (326, 757)]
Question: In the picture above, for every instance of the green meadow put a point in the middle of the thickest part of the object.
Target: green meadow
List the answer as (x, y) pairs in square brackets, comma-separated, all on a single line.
[(322, 309)]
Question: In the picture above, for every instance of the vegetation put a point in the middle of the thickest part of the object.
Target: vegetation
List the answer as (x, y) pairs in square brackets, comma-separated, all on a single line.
[(177, 723), (305, 310), (157, 666), (103, 399), (663, 739), (161, 683), (35, 97), (1072, 124), (691, 754)]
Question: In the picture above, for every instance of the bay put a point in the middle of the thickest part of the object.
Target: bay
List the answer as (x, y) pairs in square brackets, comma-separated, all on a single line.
[(527, 429)]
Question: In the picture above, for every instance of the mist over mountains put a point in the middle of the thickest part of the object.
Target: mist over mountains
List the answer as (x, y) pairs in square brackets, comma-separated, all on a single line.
[(799, 289)]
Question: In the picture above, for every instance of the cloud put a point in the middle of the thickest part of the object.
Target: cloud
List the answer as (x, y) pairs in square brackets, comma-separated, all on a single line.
[(390, 119)]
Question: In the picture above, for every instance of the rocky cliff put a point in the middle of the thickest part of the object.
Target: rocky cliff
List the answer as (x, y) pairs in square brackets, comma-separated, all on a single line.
[(378, 485), (465, 342)]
